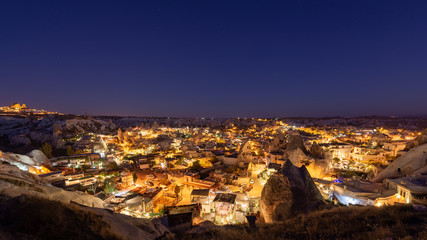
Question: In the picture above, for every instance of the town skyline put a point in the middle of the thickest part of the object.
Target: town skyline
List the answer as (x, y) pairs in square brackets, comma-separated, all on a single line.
[(296, 119), (85, 113), (189, 59)]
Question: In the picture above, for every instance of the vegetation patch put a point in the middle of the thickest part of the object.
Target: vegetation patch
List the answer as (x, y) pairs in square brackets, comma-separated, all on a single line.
[(37, 218), (397, 222)]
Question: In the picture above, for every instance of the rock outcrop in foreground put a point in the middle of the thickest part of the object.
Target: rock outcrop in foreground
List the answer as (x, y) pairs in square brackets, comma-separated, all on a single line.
[(26, 217), (30, 208), (289, 192), (14, 183), (32, 160)]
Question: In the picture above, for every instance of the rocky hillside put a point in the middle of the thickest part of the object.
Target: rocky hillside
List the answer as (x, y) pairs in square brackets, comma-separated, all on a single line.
[(32, 160), (33, 209), (395, 222), (419, 140), (27, 217), (14, 182), (23, 134), (78, 125), (407, 164)]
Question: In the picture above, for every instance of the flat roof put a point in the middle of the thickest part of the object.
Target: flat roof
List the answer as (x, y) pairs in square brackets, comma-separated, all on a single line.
[(413, 185), (383, 194), (275, 166), (49, 174), (200, 192), (225, 197)]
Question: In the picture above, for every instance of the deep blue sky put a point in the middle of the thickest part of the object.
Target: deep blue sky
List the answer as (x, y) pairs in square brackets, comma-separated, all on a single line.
[(215, 58)]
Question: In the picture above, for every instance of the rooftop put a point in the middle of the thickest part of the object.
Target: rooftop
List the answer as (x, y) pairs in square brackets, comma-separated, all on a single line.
[(225, 197), (200, 192), (414, 185)]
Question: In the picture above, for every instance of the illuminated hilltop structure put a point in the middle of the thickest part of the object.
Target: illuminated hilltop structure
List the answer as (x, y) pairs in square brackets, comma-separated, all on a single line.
[(22, 109)]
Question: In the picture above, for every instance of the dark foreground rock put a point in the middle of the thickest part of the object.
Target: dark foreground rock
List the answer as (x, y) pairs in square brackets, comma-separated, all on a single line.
[(289, 192), (27, 217)]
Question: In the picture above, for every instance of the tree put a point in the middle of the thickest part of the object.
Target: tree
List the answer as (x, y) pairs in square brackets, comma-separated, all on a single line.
[(135, 177), (47, 149), (93, 187), (177, 190), (371, 163), (214, 159), (349, 174), (196, 166), (84, 167), (180, 160), (234, 170), (70, 151), (162, 210), (109, 186), (112, 166)]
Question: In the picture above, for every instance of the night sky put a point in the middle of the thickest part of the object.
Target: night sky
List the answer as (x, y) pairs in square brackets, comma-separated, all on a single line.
[(215, 58)]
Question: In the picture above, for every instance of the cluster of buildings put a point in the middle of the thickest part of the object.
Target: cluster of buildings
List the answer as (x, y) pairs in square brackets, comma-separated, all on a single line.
[(147, 170), (22, 109)]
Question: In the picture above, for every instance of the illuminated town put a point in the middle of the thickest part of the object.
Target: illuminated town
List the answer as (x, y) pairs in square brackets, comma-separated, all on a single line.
[(212, 120), (18, 109), (216, 169)]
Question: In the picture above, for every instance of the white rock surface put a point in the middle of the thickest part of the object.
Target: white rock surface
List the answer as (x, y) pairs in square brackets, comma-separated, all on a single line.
[(412, 161), (39, 157), (14, 182)]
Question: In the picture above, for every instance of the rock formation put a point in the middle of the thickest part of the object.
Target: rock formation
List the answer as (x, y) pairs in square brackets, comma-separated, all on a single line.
[(19, 140), (39, 157), (289, 192), (405, 165), (278, 143), (15, 182), (294, 142), (316, 151), (32, 160), (26, 196), (419, 140), (56, 135), (29, 217)]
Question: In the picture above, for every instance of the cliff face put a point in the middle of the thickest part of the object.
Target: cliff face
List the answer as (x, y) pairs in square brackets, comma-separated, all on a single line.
[(289, 192), (414, 160)]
